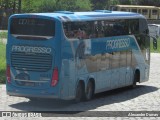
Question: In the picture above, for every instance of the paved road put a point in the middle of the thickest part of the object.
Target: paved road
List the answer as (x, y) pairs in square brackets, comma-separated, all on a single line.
[(146, 97)]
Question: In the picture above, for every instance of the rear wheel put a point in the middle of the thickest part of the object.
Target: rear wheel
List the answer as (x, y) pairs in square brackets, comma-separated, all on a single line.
[(134, 83), (31, 99), (136, 78), (79, 92), (89, 91)]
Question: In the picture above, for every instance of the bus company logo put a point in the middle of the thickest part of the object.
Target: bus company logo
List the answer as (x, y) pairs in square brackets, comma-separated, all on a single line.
[(30, 49), (119, 43)]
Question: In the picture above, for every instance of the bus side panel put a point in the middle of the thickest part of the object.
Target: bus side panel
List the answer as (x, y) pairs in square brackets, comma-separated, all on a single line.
[(104, 62)]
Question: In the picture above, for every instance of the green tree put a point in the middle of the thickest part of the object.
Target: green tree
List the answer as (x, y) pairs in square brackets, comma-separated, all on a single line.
[(28, 5), (45, 6), (99, 4), (150, 2), (73, 5), (126, 2), (83, 5), (19, 5), (103, 4), (55, 5), (10, 6)]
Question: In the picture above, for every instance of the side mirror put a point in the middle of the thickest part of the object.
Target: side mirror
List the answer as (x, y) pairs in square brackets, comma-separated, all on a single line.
[(154, 43)]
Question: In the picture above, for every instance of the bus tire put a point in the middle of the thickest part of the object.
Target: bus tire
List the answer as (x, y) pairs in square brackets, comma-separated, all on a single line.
[(89, 91), (79, 92), (33, 99), (134, 83), (136, 78)]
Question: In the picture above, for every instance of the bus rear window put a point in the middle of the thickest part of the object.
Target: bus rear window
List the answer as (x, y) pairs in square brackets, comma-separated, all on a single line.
[(33, 27)]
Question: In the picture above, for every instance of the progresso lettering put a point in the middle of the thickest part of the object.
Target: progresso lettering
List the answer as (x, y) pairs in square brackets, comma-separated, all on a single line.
[(119, 43), (29, 49)]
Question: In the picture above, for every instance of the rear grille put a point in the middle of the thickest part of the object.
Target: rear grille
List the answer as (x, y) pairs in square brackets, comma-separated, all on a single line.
[(31, 62)]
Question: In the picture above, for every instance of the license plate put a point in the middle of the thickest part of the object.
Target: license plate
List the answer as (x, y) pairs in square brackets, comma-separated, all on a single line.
[(29, 84)]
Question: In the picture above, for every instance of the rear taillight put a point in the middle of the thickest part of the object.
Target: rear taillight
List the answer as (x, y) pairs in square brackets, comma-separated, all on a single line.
[(54, 77), (8, 74)]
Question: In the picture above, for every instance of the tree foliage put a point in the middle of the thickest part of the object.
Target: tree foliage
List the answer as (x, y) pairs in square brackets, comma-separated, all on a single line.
[(126, 2), (45, 6), (28, 6), (70, 5), (150, 2), (9, 6), (54, 5), (103, 4)]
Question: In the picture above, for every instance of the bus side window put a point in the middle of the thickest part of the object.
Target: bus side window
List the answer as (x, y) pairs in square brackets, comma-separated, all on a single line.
[(74, 30), (99, 29), (115, 28), (96, 28), (91, 29), (133, 27)]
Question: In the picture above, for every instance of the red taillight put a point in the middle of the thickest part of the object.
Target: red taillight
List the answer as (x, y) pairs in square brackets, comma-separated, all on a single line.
[(54, 77), (8, 74)]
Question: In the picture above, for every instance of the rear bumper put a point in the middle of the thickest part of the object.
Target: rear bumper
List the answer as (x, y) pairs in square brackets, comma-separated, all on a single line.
[(30, 92), (31, 96)]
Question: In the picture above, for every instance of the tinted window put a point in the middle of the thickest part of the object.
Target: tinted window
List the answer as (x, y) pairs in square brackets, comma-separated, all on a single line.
[(80, 30), (32, 26), (101, 28), (143, 39), (133, 26)]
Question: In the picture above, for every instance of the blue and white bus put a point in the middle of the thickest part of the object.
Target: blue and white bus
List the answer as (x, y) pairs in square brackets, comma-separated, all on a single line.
[(74, 55)]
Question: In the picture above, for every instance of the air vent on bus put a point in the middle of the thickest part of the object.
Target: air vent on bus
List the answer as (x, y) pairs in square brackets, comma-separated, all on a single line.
[(31, 62), (103, 11), (64, 12)]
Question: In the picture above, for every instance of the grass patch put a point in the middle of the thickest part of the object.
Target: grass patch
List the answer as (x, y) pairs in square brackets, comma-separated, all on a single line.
[(2, 62), (158, 47)]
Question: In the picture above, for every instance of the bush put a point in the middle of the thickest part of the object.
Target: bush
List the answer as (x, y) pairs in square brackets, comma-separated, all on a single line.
[(3, 34), (2, 62)]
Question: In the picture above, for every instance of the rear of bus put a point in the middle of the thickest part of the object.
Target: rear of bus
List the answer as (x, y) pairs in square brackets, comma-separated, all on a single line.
[(33, 59)]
